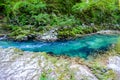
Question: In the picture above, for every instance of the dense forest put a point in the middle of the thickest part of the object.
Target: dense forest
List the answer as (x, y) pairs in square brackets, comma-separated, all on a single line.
[(69, 17)]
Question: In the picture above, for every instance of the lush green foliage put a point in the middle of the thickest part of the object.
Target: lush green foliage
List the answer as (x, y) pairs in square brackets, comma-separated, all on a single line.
[(43, 15), (20, 12), (70, 32), (98, 12)]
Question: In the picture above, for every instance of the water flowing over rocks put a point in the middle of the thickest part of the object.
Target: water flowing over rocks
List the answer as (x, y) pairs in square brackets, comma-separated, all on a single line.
[(19, 65)]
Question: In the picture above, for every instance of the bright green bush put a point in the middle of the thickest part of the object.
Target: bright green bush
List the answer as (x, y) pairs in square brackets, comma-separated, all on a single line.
[(20, 12), (60, 6), (54, 20), (41, 19), (64, 20), (99, 11)]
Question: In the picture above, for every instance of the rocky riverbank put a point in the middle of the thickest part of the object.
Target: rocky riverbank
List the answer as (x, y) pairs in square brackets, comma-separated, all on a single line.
[(53, 34), (18, 65), (108, 32), (5, 33)]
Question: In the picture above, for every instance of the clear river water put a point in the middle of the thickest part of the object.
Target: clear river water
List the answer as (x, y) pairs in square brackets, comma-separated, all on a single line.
[(80, 47)]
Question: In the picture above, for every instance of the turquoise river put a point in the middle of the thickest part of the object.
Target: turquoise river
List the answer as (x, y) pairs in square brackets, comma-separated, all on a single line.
[(80, 47)]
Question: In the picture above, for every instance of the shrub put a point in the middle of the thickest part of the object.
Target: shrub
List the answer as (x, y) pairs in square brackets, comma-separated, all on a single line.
[(20, 11), (41, 19), (64, 20), (100, 11)]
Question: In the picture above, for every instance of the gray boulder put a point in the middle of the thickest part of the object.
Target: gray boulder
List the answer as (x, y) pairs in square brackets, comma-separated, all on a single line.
[(114, 64)]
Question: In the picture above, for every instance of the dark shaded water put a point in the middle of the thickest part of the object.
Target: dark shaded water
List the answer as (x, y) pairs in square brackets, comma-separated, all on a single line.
[(80, 47)]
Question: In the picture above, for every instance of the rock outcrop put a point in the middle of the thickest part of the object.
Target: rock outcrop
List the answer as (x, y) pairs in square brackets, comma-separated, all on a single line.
[(47, 36), (114, 64), (19, 65), (3, 36)]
